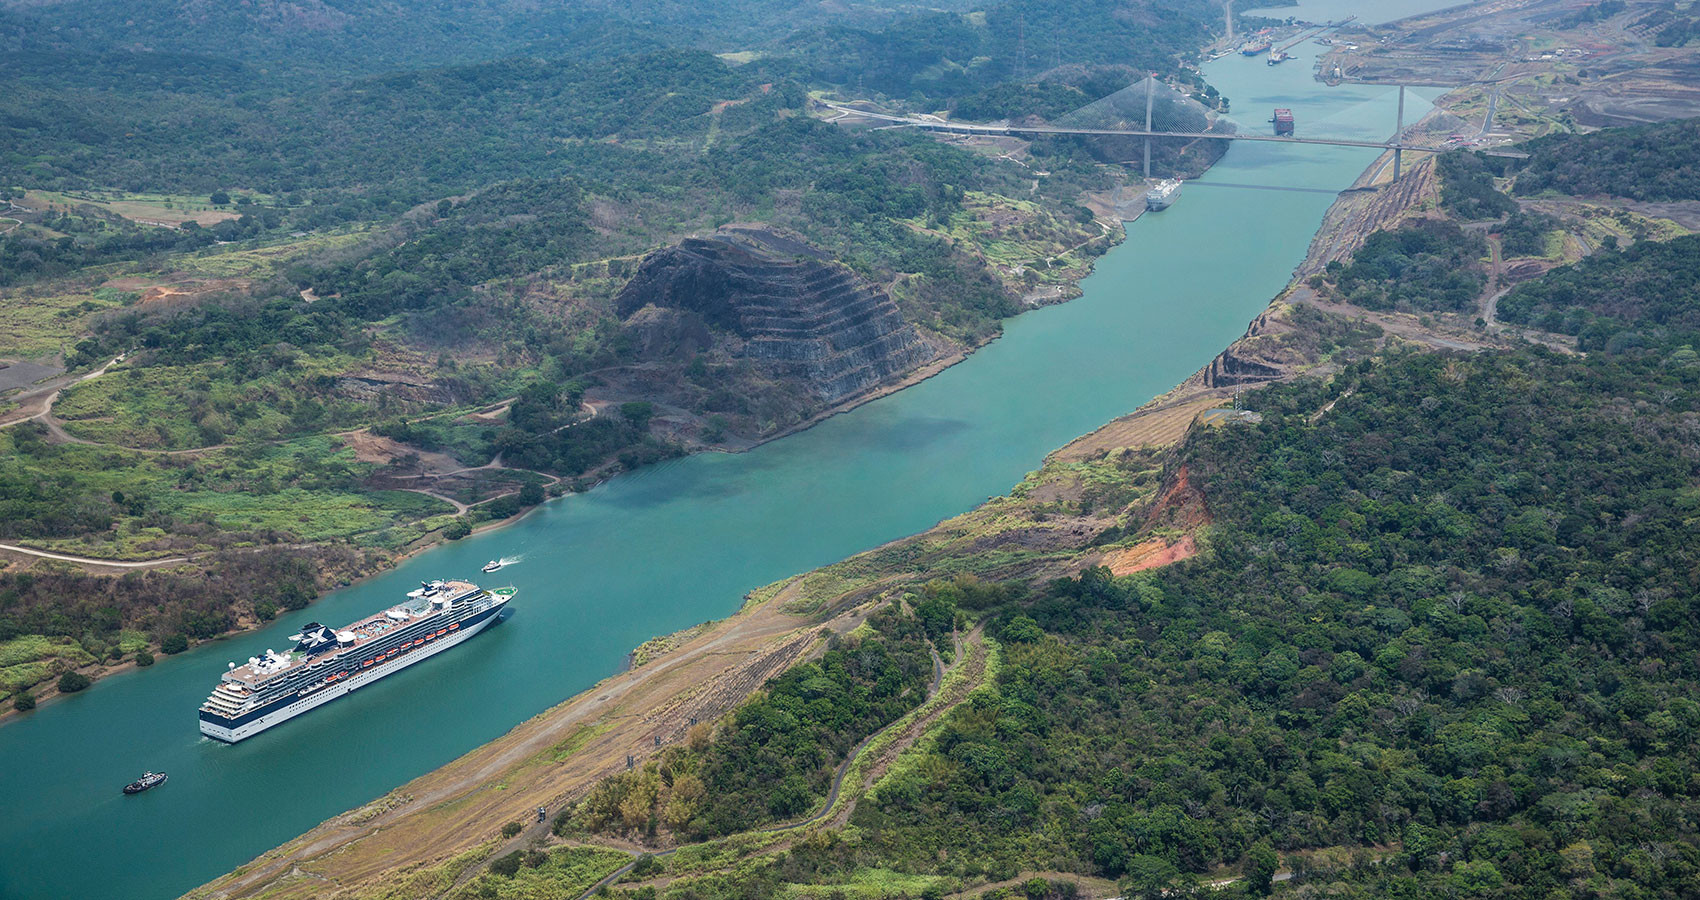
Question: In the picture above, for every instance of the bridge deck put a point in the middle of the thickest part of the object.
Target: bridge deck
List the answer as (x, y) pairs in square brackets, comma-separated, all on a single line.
[(965, 128)]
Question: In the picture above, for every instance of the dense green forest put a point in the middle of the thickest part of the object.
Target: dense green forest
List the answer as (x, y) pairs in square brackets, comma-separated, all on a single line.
[(393, 140), (1466, 188), (1452, 615), (1648, 162), (1617, 300), (1525, 233), (360, 36), (776, 758), (932, 58), (1424, 264), (1447, 627)]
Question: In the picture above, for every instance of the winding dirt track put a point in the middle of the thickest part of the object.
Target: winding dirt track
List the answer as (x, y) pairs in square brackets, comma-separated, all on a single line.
[(91, 561), (37, 402), (546, 761), (970, 651)]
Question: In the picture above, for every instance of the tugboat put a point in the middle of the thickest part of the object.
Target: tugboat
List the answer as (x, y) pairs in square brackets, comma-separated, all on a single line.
[(493, 565), (148, 780)]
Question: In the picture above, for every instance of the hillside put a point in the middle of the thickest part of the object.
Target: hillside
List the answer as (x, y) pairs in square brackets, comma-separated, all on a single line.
[(1650, 162), (1412, 621), (1422, 628), (355, 36), (345, 312)]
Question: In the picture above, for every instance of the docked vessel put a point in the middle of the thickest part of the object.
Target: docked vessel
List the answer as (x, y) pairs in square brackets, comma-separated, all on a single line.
[(1162, 195), (1276, 57), (147, 781), (327, 664), (1252, 48)]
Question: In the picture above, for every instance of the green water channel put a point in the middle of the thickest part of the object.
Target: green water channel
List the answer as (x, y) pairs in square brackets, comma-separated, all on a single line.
[(672, 545)]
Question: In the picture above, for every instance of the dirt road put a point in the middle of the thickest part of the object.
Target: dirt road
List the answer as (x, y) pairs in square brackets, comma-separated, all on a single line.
[(545, 761)]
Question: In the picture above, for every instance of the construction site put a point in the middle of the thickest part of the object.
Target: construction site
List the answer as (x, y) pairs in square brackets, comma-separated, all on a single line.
[(1532, 65)]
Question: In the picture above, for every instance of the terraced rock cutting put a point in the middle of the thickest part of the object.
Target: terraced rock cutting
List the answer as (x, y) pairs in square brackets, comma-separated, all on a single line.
[(778, 303)]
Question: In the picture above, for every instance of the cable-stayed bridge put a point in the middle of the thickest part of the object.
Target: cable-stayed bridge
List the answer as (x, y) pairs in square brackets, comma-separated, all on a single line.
[(1146, 110), (932, 124)]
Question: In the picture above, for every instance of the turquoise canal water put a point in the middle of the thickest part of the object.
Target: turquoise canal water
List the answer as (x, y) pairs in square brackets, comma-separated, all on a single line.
[(669, 546)]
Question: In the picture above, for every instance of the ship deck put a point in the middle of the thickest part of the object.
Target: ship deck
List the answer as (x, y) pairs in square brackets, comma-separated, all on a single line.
[(366, 630)]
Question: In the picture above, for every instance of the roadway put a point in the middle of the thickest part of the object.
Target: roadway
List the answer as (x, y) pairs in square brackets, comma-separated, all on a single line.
[(935, 124)]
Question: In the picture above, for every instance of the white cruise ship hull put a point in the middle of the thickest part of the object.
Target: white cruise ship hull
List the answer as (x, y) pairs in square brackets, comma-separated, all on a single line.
[(233, 729)]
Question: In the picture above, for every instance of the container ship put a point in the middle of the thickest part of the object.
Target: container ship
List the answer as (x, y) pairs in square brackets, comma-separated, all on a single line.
[(1283, 120), (1162, 195), (326, 664)]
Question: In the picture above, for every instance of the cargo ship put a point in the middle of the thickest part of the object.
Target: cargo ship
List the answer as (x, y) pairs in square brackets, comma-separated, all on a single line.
[(1254, 47), (1162, 195), (1283, 120), (327, 664), (1276, 57)]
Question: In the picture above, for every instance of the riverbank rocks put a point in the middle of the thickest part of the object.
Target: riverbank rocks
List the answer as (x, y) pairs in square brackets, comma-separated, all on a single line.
[(776, 302)]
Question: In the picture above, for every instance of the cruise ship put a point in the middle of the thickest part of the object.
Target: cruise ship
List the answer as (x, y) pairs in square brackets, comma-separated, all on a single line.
[(1162, 195), (326, 664)]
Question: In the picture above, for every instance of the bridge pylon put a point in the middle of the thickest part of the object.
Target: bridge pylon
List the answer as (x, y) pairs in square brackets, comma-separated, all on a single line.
[(1399, 134), (1150, 97)]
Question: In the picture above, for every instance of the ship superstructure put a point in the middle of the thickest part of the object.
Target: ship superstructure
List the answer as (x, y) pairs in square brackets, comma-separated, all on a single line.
[(1162, 195), (327, 664)]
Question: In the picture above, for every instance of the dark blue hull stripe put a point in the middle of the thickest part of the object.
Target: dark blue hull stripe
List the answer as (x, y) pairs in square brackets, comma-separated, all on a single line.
[(292, 697)]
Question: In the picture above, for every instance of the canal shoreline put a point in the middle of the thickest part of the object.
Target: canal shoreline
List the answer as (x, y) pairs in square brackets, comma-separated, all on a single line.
[(763, 619), (1066, 291), (764, 609), (761, 625)]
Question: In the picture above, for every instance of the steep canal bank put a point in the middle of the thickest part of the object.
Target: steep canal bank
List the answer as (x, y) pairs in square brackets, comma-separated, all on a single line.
[(672, 545)]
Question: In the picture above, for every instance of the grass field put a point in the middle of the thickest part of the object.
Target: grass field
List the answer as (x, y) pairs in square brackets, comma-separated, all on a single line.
[(1013, 234), (307, 489), (167, 209), (46, 319), (33, 658), (188, 407), (265, 257)]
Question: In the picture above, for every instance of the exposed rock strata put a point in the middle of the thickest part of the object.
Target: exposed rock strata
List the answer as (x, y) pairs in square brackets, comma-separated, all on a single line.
[(1247, 360), (776, 302)]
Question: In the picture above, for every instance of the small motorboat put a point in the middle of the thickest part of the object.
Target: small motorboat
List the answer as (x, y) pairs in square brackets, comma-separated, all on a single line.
[(147, 781), (493, 565)]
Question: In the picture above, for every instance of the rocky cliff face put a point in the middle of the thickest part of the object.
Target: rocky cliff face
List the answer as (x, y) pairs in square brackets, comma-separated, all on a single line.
[(775, 302)]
